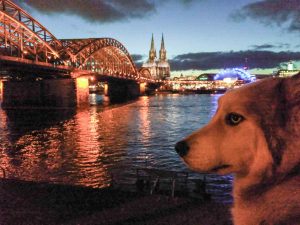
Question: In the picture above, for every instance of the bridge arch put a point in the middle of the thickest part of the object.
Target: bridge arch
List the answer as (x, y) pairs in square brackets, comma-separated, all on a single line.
[(23, 36), (103, 55), (24, 39), (145, 73)]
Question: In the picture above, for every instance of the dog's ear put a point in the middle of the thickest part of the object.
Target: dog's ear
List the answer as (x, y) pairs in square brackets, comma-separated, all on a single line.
[(269, 105), (276, 119), (275, 103), (292, 90), (292, 105), (280, 124)]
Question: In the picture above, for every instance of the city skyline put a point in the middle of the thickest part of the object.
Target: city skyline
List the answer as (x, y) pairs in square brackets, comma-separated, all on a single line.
[(199, 35)]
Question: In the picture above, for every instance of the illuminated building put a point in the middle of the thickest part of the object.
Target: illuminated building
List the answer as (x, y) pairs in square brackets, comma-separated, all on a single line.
[(183, 78), (288, 72), (233, 78), (235, 74), (159, 69), (206, 77)]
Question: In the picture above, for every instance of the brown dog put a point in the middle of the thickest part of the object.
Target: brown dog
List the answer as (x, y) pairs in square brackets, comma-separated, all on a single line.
[(255, 134)]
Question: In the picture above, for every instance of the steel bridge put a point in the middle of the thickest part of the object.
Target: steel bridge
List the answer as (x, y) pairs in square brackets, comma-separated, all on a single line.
[(27, 43)]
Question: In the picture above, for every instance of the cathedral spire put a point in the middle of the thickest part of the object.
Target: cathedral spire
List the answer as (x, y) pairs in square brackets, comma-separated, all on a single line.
[(152, 52), (162, 46), (159, 69), (152, 44), (162, 51)]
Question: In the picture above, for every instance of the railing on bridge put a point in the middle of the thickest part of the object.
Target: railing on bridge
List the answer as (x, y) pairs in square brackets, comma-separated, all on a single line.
[(32, 62)]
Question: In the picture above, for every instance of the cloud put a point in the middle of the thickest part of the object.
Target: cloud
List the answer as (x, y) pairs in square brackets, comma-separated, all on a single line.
[(269, 12), (262, 47), (220, 60), (97, 10), (271, 46), (187, 2), (137, 57), (284, 45), (93, 10)]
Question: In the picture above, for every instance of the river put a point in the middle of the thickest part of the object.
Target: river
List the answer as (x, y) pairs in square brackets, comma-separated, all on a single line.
[(90, 146)]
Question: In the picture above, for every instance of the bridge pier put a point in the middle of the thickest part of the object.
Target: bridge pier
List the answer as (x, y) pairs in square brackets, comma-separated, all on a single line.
[(63, 93), (82, 91), (121, 90), (43, 93), (151, 88), (143, 87)]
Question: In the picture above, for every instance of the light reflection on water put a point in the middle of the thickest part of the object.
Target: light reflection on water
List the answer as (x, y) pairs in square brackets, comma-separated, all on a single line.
[(89, 146)]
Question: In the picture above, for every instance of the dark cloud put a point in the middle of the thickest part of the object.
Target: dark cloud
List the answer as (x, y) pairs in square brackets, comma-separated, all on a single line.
[(283, 45), (94, 10), (137, 57), (98, 10), (269, 12), (220, 60), (187, 2), (262, 47), (270, 46)]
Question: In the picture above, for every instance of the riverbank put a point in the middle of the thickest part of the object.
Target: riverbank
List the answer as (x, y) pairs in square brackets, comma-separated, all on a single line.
[(25, 202)]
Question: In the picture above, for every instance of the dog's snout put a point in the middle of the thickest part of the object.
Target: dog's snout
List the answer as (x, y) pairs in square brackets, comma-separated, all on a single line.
[(182, 148)]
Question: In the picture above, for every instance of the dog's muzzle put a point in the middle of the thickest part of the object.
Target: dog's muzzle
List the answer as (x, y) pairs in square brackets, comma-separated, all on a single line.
[(182, 148)]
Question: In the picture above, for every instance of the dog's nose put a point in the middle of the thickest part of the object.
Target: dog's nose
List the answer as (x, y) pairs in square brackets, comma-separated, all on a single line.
[(182, 148)]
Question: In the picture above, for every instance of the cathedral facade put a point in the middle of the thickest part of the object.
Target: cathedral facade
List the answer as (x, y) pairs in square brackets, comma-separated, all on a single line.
[(159, 69)]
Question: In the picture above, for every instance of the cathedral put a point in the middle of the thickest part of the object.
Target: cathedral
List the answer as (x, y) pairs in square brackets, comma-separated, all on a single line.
[(159, 69)]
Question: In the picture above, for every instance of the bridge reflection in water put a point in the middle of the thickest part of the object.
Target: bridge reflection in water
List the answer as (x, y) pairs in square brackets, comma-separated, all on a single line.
[(91, 145)]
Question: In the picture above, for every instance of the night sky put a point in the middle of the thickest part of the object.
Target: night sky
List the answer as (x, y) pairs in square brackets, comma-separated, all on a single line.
[(200, 35)]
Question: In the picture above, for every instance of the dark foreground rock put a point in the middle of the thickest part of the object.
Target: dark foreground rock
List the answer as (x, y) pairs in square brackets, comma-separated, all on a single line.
[(24, 202)]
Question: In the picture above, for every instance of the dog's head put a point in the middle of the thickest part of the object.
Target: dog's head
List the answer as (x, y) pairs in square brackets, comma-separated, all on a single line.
[(250, 132)]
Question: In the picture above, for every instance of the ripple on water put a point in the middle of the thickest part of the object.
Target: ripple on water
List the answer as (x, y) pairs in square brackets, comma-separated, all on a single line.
[(90, 146)]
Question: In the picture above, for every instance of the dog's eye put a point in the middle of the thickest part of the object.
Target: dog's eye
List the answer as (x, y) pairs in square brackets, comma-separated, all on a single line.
[(234, 119)]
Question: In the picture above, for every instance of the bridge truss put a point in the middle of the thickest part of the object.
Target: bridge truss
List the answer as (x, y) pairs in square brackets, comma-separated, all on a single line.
[(24, 38), (100, 55)]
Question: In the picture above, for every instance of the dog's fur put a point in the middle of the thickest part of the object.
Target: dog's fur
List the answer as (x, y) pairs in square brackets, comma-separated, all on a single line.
[(262, 151)]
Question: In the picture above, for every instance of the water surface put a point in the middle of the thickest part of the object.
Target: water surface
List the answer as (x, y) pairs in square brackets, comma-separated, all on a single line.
[(89, 146)]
